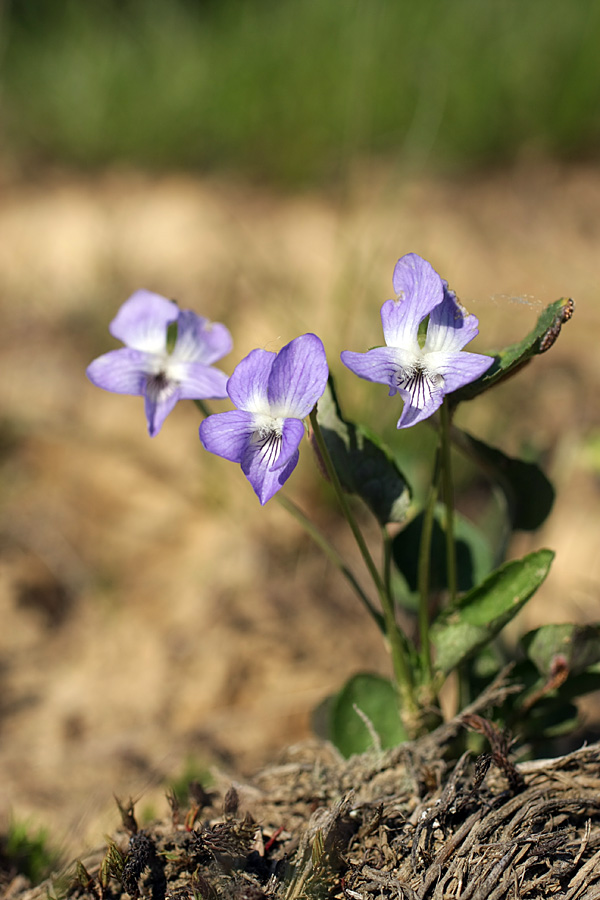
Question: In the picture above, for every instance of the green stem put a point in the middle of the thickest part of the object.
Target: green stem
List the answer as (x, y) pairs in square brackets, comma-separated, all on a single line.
[(330, 551), (448, 492), (423, 569), (341, 496), (400, 660), (387, 560), (204, 409)]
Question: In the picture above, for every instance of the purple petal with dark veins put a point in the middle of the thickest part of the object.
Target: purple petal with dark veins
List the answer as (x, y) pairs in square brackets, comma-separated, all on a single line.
[(256, 467), (159, 402), (380, 364), (412, 414), (293, 432)]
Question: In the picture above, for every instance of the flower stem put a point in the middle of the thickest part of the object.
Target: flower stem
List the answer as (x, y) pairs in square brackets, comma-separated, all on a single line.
[(319, 538), (387, 559), (423, 569), (448, 492), (396, 639), (204, 409)]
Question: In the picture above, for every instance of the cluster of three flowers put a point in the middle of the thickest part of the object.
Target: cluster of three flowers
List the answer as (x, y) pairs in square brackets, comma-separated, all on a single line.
[(169, 355)]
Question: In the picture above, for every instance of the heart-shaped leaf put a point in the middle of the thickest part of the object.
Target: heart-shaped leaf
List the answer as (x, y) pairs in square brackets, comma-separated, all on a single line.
[(364, 713), (574, 646), (364, 464), (529, 493), (474, 559), (550, 717)]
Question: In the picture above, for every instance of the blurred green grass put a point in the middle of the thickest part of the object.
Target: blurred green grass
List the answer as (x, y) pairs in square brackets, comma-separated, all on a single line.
[(298, 91)]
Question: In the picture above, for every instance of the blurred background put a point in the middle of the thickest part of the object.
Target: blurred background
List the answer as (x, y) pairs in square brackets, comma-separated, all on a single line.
[(265, 163)]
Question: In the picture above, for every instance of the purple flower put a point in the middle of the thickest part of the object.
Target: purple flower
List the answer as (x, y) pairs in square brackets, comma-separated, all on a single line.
[(160, 373), (273, 393), (422, 372)]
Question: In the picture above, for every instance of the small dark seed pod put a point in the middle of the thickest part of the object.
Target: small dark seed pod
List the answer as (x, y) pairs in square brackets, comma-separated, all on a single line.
[(140, 854)]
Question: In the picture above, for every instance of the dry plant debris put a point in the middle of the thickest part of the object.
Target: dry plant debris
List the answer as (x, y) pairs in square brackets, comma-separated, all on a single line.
[(384, 825)]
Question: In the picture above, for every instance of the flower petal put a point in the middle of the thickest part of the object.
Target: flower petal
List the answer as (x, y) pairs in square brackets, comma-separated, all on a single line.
[(265, 480), (414, 412), (293, 432), (450, 326), (142, 321), (199, 340), (458, 369), (380, 364), (298, 378), (420, 290), (122, 371), (158, 405), (228, 434), (247, 386), (198, 381)]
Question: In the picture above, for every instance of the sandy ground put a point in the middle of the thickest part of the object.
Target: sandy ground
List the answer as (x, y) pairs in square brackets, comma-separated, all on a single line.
[(153, 615)]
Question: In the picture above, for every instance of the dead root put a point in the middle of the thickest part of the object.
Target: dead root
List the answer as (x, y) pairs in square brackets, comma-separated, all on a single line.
[(400, 824)]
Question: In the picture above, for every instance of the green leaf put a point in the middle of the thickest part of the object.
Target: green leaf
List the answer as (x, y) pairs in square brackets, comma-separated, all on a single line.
[(574, 687), (507, 361), (364, 464), (576, 646), (549, 717), (172, 330), (463, 629), (365, 703), (529, 494), (474, 559)]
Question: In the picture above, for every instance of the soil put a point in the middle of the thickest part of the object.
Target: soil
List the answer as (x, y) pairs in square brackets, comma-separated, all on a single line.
[(156, 621), (399, 824)]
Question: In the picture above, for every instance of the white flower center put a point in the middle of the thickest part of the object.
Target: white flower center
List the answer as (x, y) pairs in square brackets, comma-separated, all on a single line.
[(268, 436), (420, 381), (159, 386)]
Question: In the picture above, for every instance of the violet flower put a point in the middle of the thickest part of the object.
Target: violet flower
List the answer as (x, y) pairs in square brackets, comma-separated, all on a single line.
[(422, 372), (150, 367), (274, 392)]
